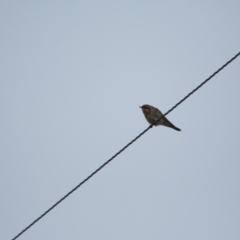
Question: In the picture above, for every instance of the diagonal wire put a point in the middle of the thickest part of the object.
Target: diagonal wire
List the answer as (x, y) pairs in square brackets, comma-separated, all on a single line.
[(108, 161)]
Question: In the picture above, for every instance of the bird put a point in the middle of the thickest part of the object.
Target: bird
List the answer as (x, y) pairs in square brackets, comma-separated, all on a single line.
[(153, 114)]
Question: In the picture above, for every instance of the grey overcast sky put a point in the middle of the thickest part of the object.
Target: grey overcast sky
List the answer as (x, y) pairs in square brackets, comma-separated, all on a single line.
[(73, 74)]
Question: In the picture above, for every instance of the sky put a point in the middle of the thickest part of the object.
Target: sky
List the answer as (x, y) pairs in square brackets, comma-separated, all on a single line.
[(73, 75)]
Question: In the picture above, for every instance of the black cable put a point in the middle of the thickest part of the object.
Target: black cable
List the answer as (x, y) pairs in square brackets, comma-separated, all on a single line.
[(103, 165)]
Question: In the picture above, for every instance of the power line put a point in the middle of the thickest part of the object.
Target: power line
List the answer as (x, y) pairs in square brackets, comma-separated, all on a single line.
[(108, 161)]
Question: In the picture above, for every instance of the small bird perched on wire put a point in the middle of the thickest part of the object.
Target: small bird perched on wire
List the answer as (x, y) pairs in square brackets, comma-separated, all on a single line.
[(152, 114)]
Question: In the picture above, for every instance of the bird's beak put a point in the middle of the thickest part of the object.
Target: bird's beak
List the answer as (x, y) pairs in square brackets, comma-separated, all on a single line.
[(140, 106)]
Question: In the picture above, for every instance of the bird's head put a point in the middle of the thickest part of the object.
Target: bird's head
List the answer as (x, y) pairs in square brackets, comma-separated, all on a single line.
[(145, 108)]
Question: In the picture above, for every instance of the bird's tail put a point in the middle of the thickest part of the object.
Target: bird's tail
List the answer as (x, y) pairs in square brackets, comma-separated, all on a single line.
[(167, 123), (178, 129)]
